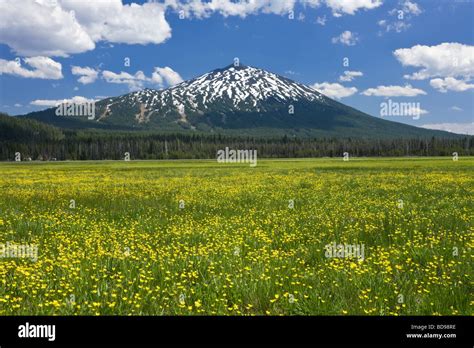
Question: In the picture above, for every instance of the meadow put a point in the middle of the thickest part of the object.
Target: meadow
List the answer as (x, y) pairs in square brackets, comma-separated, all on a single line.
[(207, 238)]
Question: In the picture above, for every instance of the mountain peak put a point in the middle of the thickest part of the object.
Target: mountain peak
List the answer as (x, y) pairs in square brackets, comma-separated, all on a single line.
[(234, 67), (241, 88), (236, 99)]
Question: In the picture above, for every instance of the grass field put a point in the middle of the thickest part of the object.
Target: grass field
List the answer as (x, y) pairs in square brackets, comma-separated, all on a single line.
[(198, 237)]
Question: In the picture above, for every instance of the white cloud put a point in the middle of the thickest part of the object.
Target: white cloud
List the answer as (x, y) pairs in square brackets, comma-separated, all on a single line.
[(456, 108), (156, 78), (321, 20), (112, 21), (167, 75), (460, 128), (393, 91), (444, 60), (64, 27), (346, 38), (400, 17), (33, 28), (43, 68), (416, 110), (160, 77), (450, 84), (134, 82), (52, 102), (87, 75), (397, 26), (350, 75), (226, 8), (411, 8), (334, 90), (17, 105), (351, 6), (244, 8)]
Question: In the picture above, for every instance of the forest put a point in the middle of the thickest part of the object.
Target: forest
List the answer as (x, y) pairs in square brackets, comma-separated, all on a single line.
[(38, 141)]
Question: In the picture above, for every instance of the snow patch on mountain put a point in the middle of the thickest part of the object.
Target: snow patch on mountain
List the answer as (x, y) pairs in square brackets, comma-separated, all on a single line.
[(233, 88)]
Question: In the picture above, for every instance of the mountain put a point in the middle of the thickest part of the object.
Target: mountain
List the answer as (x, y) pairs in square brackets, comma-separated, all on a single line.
[(240, 100), (14, 129)]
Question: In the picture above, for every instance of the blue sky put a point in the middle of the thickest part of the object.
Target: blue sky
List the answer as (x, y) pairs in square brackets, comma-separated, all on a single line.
[(407, 51)]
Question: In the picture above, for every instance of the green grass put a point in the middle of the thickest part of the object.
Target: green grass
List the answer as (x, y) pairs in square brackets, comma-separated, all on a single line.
[(236, 248)]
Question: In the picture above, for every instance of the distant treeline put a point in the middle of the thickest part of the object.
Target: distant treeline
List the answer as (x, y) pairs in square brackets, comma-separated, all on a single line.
[(39, 141)]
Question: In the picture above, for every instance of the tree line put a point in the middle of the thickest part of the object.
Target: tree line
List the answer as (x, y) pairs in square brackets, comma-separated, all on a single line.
[(37, 141)]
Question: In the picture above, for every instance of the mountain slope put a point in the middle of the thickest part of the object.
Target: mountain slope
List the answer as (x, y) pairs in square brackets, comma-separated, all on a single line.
[(239, 100), (13, 129)]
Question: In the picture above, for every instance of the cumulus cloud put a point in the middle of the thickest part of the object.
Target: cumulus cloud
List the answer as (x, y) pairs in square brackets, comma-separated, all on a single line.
[(156, 78), (346, 38), (411, 7), (350, 7), (450, 84), (350, 75), (64, 27), (87, 75), (134, 82), (160, 77), (244, 8), (110, 20), (443, 60), (61, 28), (460, 128), (167, 75), (334, 90), (41, 28), (456, 108), (43, 68), (393, 91), (400, 17), (56, 102)]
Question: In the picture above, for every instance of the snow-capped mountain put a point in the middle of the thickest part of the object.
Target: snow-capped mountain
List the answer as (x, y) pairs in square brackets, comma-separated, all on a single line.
[(233, 89), (243, 88), (238, 100)]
